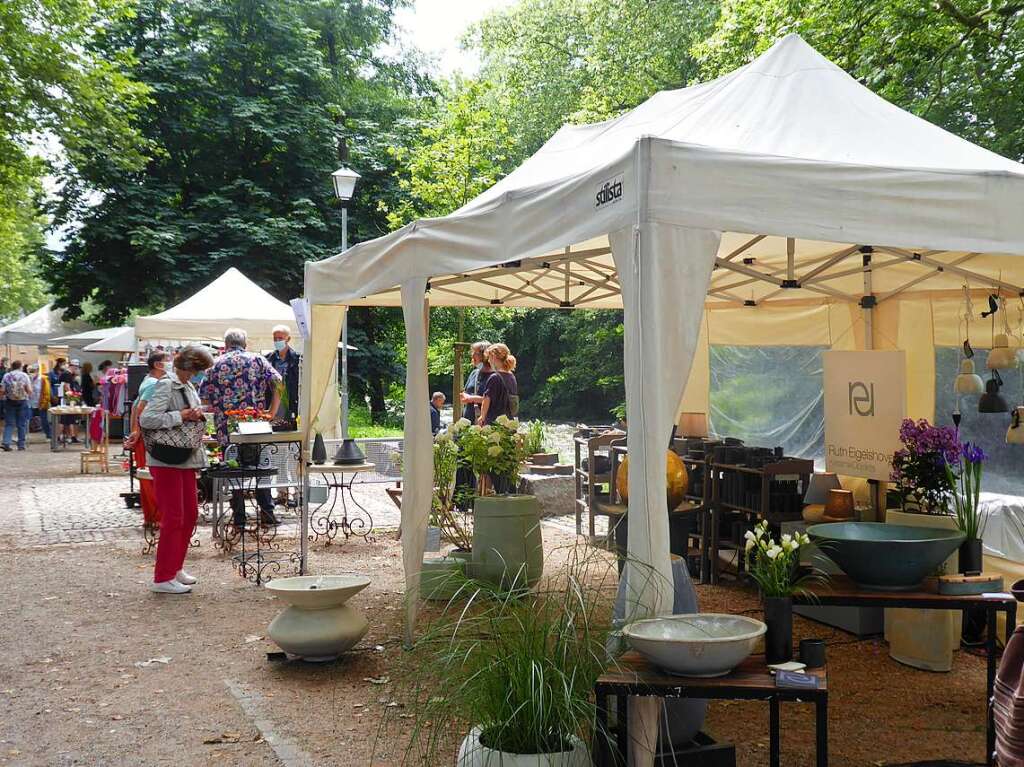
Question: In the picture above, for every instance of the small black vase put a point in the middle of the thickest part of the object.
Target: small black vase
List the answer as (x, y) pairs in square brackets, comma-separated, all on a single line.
[(778, 642), (319, 453), (249, 455), (971, 557)]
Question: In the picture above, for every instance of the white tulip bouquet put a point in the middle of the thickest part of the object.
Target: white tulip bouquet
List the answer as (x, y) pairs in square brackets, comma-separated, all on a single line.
[(774, 565)]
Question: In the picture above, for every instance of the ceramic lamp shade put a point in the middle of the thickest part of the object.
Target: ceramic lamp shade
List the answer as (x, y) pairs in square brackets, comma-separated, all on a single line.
[(819, 486), (968, 382), (1002, 356), (992, 401), (693, 424), (839, 506)]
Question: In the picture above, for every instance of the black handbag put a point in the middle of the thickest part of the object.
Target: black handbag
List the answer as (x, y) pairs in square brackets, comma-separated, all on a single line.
[(174, 446)]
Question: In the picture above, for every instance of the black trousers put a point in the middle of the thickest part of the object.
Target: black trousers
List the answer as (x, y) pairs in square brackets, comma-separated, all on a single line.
[(263, 499)]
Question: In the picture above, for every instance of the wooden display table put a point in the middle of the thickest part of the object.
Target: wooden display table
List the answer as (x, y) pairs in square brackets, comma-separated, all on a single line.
[(840, 591), (751, 680)]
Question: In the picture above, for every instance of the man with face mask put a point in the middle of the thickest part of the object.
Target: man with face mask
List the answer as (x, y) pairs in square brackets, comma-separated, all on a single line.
[(286, 362)]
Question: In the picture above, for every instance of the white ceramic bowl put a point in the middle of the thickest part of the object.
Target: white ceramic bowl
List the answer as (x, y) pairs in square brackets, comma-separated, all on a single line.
[(702, 644), (313, 592)]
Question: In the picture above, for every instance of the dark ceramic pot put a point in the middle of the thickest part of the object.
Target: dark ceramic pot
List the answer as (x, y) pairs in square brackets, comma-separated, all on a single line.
[(319, 453), (971, 553), (249, 455), (778, 617)]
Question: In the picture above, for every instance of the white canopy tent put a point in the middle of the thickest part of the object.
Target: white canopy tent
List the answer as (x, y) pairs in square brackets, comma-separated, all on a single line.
[(81, 340), (230, 301), (40, 327), (121, 341), (788, 155)]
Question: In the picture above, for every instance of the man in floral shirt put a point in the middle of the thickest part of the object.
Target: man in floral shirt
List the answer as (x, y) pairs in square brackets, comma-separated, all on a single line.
[(238, 380)]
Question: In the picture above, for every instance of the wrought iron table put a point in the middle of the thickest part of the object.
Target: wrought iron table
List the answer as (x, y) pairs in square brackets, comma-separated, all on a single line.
[(338, 479), (840, 591), (751, 680)]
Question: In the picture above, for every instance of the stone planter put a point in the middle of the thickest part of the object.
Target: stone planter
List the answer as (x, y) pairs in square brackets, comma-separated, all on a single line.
[(441, 578), (508, 549), (543, 459), (317, 625), (472, 753)]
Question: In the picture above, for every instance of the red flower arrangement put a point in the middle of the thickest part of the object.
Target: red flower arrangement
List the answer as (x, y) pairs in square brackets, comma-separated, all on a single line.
[(245, 415)]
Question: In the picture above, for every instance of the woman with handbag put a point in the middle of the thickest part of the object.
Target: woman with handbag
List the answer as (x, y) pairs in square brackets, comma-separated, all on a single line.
[(173, 425)]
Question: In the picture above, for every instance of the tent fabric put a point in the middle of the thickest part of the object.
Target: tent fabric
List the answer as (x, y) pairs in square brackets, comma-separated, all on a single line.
[(232, 300), (787, 160), (89, 336), (121, 341), (37, 328)]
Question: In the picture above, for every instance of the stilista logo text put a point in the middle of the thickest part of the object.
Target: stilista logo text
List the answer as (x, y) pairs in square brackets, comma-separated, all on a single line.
[(609, 192)]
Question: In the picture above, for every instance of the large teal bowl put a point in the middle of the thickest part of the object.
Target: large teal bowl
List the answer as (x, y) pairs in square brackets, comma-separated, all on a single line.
[(882, 556)]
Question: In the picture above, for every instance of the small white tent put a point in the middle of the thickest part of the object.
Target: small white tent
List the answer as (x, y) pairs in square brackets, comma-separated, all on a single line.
[(122, 340), (230, 301), (787, 146)]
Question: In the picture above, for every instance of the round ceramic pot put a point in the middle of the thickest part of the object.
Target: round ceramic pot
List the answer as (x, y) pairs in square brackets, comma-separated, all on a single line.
[(317, 625), (508, 549), (472, 753), (971, 560)]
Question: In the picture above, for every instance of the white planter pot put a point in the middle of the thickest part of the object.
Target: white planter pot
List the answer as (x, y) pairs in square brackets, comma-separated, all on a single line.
[(474, 754), (317, 625)]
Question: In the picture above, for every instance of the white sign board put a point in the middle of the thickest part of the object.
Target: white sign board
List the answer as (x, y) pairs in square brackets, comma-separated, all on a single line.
[(300, 308), (865, 403)]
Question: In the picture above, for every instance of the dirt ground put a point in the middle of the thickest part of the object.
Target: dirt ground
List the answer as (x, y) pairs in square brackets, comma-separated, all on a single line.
[(79, 685)]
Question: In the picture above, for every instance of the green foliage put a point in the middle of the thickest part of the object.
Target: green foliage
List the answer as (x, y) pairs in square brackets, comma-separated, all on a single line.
[(362, 426), (21, 242), (534, 438), (957, 63), (520, 666), (247, 117), (496, 451)]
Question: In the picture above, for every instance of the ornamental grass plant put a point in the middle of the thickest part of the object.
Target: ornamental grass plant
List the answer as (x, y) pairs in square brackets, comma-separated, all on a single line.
[(519, 665)]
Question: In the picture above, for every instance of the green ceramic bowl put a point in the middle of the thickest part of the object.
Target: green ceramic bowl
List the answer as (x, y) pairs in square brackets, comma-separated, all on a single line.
[(882, 556)]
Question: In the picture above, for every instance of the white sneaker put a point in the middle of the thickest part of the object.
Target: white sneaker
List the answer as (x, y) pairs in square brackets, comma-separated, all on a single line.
[(170, 587), (185, 579)]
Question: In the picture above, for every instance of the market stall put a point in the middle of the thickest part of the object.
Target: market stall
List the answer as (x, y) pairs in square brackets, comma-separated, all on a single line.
[(783, 194), (26, 337)]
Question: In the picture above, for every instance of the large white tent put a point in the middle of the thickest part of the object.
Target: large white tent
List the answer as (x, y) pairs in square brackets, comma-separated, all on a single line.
[(788, 154), (39, 327), (232, 300)]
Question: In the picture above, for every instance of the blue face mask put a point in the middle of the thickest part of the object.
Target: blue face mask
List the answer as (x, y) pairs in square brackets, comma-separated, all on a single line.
[(198, 378), (280, 345)]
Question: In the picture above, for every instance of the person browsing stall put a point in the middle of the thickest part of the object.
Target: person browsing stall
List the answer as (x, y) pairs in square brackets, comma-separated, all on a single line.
[(501, 394), (472, 394), (285, 361), (17, 391), (436, 403), (175, 409)]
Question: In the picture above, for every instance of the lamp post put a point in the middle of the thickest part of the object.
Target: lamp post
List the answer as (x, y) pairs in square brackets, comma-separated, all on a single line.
[(344, 180)]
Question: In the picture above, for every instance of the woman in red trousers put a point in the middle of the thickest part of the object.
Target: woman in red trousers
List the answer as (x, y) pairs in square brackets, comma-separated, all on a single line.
[(174, 406)]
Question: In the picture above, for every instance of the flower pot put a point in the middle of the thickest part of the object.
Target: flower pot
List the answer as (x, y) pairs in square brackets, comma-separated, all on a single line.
[(472, 753), (440, 579), (317, 625), (508, 549), (778, 642), (463, 555), (971, 557)]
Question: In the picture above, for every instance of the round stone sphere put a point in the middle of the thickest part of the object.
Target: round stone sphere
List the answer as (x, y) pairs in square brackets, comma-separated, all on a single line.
[(677, 481)]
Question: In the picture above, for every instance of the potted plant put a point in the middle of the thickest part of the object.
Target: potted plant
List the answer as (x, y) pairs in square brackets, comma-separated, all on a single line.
[(919, 467), (964, 477), (534, 445), (507, 544), (248, 453), (775, 569), (517, 671)]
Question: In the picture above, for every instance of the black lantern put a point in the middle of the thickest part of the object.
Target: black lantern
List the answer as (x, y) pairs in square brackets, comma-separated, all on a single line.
[(992, 401)]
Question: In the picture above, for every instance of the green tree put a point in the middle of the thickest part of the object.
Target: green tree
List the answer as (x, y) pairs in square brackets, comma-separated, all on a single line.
[(247, 118), (957, 63)]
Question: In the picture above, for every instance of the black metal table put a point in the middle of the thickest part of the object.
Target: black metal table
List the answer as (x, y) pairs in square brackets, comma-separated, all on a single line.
[(840, 591), (258, 553), (338, 481), (751, 680)]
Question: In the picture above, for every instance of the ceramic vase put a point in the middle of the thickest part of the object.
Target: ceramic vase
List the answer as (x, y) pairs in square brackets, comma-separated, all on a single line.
[(319, 452), (317, 625), (472, 753), (249, 455), (778, 617), (971, 557)]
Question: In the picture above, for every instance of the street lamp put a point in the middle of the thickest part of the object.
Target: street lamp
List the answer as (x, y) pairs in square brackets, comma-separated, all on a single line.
[(348, 452)]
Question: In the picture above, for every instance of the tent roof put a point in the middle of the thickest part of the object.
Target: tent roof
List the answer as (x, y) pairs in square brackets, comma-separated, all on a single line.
[(39, 327), (122, 340), (788, 156), (232, 300), (78, 339)]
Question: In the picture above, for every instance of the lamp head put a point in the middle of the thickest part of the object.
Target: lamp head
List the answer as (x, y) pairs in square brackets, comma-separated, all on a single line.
[(344, 183), (992, 401), (968, 382)]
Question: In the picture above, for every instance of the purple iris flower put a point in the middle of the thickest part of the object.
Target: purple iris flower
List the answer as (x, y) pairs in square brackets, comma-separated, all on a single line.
[(973, 453)]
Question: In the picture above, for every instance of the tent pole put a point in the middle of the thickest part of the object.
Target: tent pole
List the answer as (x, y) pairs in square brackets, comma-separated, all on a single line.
[(867, 304)]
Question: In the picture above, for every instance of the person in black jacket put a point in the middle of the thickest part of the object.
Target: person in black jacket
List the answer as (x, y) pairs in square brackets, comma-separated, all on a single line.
[(436, 403), (286, 362)]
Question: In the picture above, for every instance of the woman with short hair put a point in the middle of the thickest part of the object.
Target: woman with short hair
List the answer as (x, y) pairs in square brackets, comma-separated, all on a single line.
[(175, 406), (501, 394)]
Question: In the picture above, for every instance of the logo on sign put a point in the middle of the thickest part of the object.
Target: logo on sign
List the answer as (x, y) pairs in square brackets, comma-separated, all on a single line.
[(610, 192), (862, 399)]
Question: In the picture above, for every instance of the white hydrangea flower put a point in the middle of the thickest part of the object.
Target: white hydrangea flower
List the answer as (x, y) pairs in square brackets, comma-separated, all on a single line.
[(501, 420), (513, 424), (494, 437), (443, 436), (494, 450), (463, 423)]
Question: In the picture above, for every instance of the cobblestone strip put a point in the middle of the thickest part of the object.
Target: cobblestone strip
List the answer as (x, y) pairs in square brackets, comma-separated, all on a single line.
[(252, 703)]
